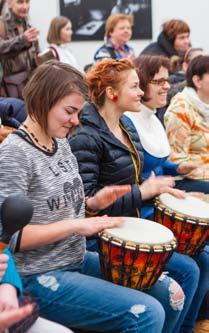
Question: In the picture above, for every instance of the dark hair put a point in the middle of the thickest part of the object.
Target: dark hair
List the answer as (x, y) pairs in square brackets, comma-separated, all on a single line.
[(147, 66), (198, 66), (56, 25), (103, 74), (51, 82), (174, 27)]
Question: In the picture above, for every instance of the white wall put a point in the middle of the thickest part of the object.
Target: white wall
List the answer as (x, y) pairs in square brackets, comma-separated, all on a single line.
[(192, 11)]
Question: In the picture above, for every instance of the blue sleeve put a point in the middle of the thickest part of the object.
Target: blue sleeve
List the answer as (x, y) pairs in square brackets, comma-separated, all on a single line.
[(170, 168), (11, 275)]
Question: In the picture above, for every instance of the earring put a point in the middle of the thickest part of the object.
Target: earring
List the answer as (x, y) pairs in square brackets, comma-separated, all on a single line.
[(115, 98)]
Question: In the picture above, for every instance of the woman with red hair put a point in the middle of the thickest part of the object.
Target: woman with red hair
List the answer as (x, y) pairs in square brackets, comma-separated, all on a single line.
[(108, 151)]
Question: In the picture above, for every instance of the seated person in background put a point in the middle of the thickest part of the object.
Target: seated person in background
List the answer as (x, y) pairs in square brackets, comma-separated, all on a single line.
[(118, 32), (187, 125), (12, 114), (10, 312), (59, 37), (18, 48), (173, 40), (177, 78)]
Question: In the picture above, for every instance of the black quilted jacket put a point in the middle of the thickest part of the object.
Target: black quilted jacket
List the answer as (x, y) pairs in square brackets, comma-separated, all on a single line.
[(104, 160), (162, 47)]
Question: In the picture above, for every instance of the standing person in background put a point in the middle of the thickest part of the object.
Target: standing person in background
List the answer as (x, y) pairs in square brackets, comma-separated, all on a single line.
[(59, 37), (18, 48), (173, 40), (118, 32)]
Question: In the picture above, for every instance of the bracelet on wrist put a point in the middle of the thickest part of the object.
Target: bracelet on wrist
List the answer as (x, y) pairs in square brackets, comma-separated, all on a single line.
[(88, 211)]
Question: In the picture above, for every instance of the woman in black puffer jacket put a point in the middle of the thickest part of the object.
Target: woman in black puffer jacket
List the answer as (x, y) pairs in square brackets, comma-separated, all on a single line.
[(106, 144)]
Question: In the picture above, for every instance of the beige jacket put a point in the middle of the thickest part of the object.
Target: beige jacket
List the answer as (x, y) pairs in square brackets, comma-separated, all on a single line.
[(16, 54)]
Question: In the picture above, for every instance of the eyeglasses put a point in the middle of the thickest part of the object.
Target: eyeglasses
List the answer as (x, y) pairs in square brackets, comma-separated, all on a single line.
[(159, 82)]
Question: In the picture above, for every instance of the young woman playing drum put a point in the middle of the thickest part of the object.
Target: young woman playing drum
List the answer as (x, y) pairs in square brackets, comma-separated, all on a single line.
[(64, 279), (109, 152)]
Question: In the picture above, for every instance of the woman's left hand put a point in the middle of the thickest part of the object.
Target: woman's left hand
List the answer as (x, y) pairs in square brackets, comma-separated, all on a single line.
[(107, 196), (186, 167)]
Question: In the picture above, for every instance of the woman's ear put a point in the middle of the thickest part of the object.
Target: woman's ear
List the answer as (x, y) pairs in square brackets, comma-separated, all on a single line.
[(110, 93), (197, 81)]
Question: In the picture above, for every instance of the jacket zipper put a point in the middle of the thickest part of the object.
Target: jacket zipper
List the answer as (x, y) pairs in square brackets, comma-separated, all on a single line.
[(134, 163)]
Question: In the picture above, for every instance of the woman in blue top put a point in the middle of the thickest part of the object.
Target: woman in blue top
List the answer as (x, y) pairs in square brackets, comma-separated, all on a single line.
[(154, 81), (153, 74)]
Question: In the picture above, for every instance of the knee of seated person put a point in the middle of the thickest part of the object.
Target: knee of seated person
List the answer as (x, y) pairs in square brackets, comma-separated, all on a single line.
[(192, 269), (203, 259), (153, 313), (176, 296)]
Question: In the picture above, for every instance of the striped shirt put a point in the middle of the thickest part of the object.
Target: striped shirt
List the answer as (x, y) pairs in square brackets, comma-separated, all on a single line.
[(52, 182)]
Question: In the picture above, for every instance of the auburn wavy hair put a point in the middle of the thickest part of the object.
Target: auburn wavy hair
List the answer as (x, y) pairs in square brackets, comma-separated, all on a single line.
[(105, 73), (172, 28)]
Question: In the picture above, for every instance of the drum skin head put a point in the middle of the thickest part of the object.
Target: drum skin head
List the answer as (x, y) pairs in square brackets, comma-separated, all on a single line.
[(141, 231), (190, 206)]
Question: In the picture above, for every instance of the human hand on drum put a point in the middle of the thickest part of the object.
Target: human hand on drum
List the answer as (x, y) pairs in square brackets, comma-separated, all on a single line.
[(155, 185), (186, 167), (91, 226), (106, 196), (175, 192)]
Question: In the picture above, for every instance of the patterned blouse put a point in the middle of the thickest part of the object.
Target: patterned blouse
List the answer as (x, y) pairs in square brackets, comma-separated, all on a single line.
[(188, 133)]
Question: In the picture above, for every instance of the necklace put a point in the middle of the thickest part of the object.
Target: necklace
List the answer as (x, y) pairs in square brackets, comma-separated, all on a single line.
[(37, 141)]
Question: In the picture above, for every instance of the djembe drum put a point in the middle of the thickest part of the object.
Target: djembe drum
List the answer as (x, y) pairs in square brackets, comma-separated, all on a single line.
[(188, 219), (135, 254)]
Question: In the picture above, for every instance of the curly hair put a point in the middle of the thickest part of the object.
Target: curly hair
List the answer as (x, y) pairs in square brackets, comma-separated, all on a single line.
[(104, 74)]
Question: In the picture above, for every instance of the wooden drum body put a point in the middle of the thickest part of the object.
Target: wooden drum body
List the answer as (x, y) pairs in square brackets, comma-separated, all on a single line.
[(188, 219), (135, 254)]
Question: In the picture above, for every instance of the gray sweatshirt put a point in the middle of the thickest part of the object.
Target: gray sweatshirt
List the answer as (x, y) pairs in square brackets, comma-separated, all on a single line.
[(52, 182)]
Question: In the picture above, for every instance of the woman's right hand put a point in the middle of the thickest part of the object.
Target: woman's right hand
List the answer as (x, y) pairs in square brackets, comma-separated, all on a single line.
[(155, 185), (91, 226), (31, 34)]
